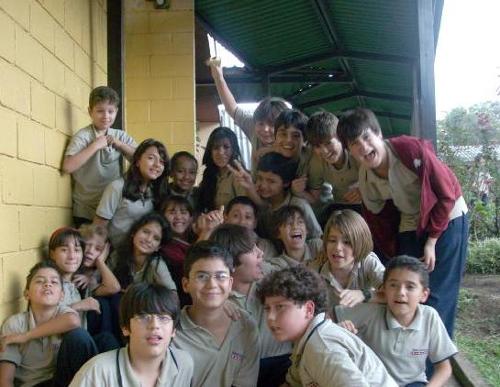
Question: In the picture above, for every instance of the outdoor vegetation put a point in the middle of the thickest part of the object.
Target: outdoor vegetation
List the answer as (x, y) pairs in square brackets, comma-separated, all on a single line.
[(469, 142)]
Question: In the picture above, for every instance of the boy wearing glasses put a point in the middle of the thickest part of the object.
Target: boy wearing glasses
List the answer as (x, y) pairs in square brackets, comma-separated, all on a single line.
[(149, 314), (324, 354), (226, 352)]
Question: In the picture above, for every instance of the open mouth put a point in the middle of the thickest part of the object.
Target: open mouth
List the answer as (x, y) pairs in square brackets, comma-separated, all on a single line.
[(297, 236), (154, 339)]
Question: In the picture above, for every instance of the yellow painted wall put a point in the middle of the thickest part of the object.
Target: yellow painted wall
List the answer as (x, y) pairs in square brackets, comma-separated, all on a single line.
[(52, 53), (159, 73)]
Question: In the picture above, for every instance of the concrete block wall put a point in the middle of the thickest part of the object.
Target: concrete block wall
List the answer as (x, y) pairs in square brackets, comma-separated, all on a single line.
[(52, 53), (159, 73)]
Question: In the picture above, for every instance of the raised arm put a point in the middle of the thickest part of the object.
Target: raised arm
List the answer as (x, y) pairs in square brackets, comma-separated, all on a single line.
[(225, 94)]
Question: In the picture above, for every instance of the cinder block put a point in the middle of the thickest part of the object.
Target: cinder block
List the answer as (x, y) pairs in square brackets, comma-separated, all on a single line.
[(172, 148), (172, 65), (57, 217), (19, 10), (137, 22), (28, 54), (72, 86), (43, 104), (183, 43), (8, 145), (15, 90), (83, 64), (55, 144), (181, 21), (161, 44), (17, 187), (32, 227), (184, 88), (9, 228), (8, 40), (158, 130), (42, 26), (138, 44), (15, 268), (99, 76), (63, 116), (45, 186), (137, 66), (183, 133), (64, 47), (172, 111), (31, 141), (53, 70), (137, 111), (55, 8), (64, 191), (149, 88), (74, 12), (7, 309)]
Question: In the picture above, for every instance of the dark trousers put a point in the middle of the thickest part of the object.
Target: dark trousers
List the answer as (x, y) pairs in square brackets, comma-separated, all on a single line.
[(273, 370)]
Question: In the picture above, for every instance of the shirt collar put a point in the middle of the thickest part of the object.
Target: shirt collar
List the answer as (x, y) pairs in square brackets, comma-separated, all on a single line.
[(392, 323)]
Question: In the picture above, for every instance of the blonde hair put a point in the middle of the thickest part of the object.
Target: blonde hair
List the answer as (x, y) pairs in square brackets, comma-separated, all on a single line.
[(89, 230), (354, 228)]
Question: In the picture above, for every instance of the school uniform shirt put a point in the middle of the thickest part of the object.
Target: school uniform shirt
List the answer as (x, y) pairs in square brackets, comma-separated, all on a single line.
[(97, 172), (155, 272), (191, 196), (267, 247), (122, 213), (227, 189), (35, 360), (366, 274), (312, 248), (103, 370), (235, 362), (249, 302), (403, 350), (330, 356)]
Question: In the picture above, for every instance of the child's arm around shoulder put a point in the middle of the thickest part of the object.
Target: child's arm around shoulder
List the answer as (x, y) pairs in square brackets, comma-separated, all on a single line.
[(74, 162)]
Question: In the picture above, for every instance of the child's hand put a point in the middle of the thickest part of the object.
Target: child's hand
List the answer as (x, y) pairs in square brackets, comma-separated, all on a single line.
[(429, 257), (232, 311), (352, 196), (101, 142), (215, 67), (206, 223), (241, 176), (81, 281), (89, 303), (299, 185), (351, 297), (104, 254), (15, 338), (349, 325)]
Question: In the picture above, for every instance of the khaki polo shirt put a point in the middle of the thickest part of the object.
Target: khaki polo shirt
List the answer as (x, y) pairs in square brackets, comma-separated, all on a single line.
[(269, 345), (227, 189), (344, 179), (157, 273), (102, 370), (234, 363), (404, 350), (331, 356), (35, 360), (121, 212), (267, 248), (367, 274), (311, 250), (102, 168)]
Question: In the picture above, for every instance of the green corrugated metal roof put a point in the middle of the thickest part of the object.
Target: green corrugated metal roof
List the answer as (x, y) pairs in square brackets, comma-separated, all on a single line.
[(375, 43)]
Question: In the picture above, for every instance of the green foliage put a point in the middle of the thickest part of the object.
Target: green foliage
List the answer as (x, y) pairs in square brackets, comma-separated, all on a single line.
[(484, 257)]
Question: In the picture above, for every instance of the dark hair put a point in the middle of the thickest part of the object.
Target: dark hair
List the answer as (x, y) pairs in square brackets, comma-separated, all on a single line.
[(408, 263), (321, 127), (180, 201), (45, 264), (291, 117), (268, 109), (243, 200), (179, 155), (206, 250), (208, 185), (236, 239), (133, 178), (354, 123), (279, 165), (144, 298), (103, 94), (60, 236), (298, 284), (125, 251), (279, 218)]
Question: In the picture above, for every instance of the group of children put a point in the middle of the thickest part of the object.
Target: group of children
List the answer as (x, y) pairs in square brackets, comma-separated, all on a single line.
[(245, 274)]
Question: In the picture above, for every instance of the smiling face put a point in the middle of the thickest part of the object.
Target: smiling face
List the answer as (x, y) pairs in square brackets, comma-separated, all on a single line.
[(147, 239), (339, 251), (289, 141), (149, 335), (94, 246), (269, 185), (67, 257), (179, 218), (287, 320), (404, 291), (369, 150), (184, 174), (250, 268), (222, 152), (209, 283), (330, 151), (45, 288), (242, 215), (103, 114), (293, 232), (150, 164), (265, 132)]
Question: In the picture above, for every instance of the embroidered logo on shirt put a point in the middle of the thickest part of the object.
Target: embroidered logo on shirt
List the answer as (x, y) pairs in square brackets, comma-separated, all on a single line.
[(237, 356), (312, 384), (419, 352), (417, 163)]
